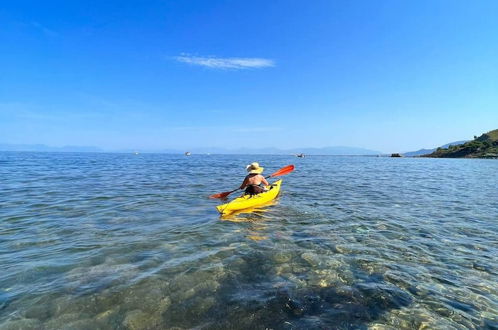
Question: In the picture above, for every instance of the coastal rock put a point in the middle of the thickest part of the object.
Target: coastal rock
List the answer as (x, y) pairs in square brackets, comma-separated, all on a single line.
[(484, 146)]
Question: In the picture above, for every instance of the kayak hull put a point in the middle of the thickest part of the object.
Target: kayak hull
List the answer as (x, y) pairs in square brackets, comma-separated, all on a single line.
[(247, 201)]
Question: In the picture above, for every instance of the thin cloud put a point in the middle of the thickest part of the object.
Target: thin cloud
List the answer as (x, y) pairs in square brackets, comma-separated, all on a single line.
[(256, 129), (236, 63), (46, 31)]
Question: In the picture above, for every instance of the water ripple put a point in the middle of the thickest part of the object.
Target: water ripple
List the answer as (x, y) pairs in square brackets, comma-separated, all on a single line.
[(131, 242)]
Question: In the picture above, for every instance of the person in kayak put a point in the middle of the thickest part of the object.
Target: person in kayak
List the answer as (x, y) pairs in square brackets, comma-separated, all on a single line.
[(254, 183)]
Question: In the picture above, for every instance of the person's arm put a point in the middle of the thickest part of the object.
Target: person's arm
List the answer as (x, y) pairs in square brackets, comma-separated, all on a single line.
[(264, 181), (244, 184)]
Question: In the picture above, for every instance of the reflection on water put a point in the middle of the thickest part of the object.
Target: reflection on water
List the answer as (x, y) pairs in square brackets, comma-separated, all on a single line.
[(99, 241), (254, 218)]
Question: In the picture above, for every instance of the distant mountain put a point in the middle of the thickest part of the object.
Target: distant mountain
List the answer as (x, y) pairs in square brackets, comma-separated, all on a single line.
[(44, 148), (428, 151), (339, 150), (484, 146)]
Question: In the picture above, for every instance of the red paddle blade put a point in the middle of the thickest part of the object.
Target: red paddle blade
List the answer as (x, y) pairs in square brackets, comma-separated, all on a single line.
[(283, 171), (221, 195)]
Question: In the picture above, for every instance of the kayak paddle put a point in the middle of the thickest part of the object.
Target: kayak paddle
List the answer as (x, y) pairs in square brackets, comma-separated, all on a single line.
[(283, 171)]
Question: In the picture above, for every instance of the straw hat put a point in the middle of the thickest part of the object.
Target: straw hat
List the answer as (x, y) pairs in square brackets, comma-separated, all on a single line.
[(254, 168)]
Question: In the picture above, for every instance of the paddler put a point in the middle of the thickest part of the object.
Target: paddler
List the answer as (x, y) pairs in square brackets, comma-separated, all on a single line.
[(254, 183)]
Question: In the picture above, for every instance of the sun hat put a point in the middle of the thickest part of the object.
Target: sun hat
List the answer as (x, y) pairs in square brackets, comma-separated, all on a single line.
[(254, 168)]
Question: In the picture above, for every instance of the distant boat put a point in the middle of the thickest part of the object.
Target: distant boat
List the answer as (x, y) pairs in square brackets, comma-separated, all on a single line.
[(300, 155), (396, 155), (136, 153), (188, 153)]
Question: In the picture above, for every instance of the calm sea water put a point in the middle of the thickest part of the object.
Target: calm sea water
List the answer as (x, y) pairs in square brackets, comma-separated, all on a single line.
[(123, 241)]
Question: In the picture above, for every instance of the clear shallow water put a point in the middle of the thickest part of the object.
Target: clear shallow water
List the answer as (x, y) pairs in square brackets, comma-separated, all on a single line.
[(91, 241)]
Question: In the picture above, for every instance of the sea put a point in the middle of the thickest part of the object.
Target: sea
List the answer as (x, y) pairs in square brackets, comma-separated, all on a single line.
[(132, 241)]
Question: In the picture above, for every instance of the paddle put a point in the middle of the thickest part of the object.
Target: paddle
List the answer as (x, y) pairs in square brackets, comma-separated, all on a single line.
[(283, 171)]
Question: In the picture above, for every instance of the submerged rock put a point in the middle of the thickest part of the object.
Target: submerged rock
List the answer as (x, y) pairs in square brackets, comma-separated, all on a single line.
[(382, 296), (164, 305), (85, 324), (201, 306), (150, 296), (109, 319), (380, 326), (22, 324), (64, 319), (138, 320), (311, 258), (39, 311), (61, 305), (99, 275), (283, 269), (185, 287), (282, 257)]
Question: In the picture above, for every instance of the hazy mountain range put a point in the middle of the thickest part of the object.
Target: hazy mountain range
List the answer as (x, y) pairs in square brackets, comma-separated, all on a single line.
[(337, 150), (45, 148)]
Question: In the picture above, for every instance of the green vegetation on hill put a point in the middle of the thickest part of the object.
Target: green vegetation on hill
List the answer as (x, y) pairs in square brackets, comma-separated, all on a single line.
[(484, 146)]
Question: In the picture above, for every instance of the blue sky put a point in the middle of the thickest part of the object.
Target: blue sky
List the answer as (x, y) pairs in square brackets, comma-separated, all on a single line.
[(386, 75)]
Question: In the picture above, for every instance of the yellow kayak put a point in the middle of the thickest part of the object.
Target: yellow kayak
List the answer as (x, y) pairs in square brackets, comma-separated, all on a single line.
[(247, 201)]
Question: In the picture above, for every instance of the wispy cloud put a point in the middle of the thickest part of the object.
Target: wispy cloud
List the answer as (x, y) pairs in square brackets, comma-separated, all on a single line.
[(236, 63), (256, 129), (45, 30)]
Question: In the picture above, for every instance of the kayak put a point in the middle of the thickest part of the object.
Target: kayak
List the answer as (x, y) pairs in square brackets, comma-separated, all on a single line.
[(248, 201)]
